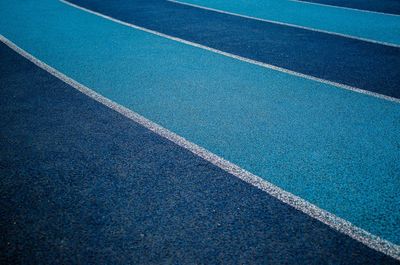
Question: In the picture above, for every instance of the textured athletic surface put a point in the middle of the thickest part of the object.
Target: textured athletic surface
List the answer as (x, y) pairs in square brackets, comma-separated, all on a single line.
[(91, 186), (372, 26), (314, 140), (332, 147), (385, 6), (352, 62)]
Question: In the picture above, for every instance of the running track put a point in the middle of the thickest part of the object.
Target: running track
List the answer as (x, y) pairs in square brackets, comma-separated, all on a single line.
[(82, 183)]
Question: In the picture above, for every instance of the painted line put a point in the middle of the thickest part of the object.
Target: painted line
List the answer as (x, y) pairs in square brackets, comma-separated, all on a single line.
[(296, 202), (344, 7), (269, 66), (287, 24)]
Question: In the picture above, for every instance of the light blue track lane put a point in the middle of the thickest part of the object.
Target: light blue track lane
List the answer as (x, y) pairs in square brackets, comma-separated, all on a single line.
[(378, 27), (381, 6), (335, 148)]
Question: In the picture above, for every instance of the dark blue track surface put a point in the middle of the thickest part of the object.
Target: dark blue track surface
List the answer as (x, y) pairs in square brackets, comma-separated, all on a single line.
[(384, 6), (81, 183), (365, 65)]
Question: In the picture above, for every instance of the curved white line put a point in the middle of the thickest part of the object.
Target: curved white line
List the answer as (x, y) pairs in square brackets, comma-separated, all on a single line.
[(344, 7), (298, 203), (289, 24)]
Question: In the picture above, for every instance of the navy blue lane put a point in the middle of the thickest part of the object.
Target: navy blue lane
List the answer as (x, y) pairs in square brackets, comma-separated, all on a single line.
[(383, 6), (80, 183), (360, 64)]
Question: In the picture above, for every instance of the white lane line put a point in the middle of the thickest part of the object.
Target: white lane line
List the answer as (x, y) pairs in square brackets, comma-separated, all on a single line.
[(298, 203), (344, 7), (288, 24), (269, 66)]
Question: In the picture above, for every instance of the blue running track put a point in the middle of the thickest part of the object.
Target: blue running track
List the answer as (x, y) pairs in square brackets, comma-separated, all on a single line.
[(352, 62), (84, 184), (384, 6), (354, 23)]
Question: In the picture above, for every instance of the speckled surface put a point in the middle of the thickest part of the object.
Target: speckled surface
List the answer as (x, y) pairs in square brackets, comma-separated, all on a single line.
[(334, 148), (378, 27), (82, 184), (385, 6), (325, 56)]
